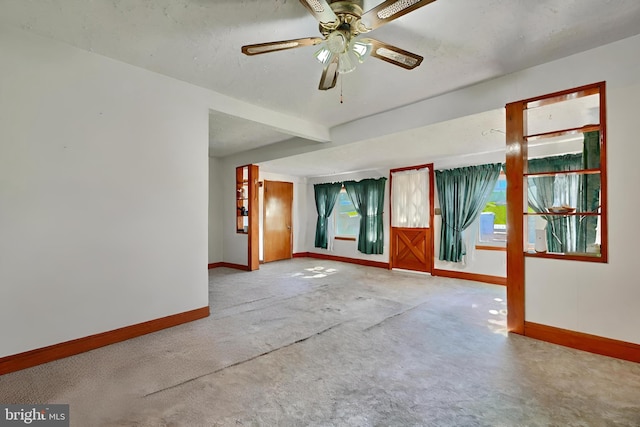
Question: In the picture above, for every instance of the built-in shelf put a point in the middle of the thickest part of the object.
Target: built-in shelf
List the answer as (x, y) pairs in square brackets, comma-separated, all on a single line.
[(579, 171), (563, 132), (242, 199), (563, 213), (247, 211)]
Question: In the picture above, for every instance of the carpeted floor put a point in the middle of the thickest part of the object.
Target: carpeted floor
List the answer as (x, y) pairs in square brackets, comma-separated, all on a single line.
[(319, 343)]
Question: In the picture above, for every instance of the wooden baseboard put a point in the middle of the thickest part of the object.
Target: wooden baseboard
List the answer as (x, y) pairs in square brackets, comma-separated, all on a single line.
[(485, 278), (39, 356), (229, 265), (586, 342), (365, 262)]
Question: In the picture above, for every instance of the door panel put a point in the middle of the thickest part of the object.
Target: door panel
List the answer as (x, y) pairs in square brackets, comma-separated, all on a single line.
[(411, 248), (277, 233), (411, 196)]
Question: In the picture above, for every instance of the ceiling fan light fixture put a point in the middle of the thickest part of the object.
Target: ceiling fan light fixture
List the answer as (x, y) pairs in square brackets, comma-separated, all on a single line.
[(361, 50), (347, 62), (323, 55), (348, 57), (341, 23), (337, 42)]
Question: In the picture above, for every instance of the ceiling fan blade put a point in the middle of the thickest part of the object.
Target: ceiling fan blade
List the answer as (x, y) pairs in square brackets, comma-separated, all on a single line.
[(389, 10), (257, 49), (329, 75), (321, 10), (393, 55)]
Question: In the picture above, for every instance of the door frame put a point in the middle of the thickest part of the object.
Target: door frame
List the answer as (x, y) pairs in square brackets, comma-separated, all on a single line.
[(264, 217), (429, 166)]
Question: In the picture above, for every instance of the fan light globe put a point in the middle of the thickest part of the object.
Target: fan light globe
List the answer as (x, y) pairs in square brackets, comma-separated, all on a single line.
[(349, 54), (360, 49), (337, 42), (347, 62), (324, 55)]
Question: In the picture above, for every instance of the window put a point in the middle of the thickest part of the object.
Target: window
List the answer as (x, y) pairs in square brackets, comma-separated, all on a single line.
[(556, 145), (347, 220), (493, 219)]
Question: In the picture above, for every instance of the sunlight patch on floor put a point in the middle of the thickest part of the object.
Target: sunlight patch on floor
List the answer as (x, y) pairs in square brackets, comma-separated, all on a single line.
[(317, 272), (498, 321)]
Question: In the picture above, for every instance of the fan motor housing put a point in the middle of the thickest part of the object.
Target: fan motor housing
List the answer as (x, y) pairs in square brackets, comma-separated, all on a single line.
[(349, 13), (346, 4), (342, 7)]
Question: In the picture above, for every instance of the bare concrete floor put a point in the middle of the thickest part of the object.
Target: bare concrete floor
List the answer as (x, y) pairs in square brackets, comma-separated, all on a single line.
[(320, 343)]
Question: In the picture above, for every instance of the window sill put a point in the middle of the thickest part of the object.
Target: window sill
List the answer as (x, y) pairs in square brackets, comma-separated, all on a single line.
[(491, 248), (353, 239), (568, 257)]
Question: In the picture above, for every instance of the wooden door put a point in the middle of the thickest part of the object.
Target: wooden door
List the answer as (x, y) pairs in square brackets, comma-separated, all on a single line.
[(412, 248), (277, 232)]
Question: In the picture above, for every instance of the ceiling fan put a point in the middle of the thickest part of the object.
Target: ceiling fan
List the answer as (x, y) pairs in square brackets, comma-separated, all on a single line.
[(341, 22)]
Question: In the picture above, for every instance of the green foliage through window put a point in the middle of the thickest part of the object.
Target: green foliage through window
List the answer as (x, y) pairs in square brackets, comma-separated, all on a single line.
[(493, 219)]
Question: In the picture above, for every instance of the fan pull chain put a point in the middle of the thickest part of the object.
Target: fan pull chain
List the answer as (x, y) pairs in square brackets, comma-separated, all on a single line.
[(340, 89)]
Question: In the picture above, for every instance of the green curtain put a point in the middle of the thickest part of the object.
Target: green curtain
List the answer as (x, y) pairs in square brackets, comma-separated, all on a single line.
[(589, 197), (544, 192), (367, 197), (462, 193), (326, 196)]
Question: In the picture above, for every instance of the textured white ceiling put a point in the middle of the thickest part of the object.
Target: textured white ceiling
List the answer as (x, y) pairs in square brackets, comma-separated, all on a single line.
[(453, 143), (198, 41), (230, 132), (454, 140)]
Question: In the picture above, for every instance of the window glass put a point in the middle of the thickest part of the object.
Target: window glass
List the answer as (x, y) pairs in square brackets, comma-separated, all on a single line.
[(347, 219), (568, 114), (566, 205), (493, 219)]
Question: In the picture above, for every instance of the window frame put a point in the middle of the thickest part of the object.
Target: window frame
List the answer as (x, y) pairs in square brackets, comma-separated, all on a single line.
[(517, 158)]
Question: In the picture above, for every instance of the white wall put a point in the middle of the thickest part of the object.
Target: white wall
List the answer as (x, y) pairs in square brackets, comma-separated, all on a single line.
[(600, 299), (216, 253), (103, 194), (477, 261)]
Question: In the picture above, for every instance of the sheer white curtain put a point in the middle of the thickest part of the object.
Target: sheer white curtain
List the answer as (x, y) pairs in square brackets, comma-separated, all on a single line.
[(331, 232), (410, 198), (565, 193)]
